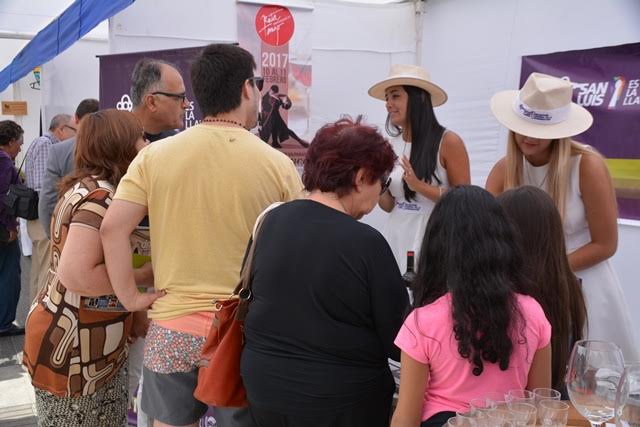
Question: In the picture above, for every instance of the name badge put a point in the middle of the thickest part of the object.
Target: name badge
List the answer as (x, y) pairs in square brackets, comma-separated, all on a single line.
[(109, 303), (409, 206)]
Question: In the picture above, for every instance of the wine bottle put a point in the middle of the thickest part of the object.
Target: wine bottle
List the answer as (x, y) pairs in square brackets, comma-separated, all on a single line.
[(410, 274)]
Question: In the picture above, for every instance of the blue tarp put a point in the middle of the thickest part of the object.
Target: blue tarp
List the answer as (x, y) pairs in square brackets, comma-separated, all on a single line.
[(76, 21)]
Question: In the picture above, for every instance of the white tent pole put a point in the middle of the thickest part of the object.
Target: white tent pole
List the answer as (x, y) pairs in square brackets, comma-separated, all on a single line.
[(419, 7)]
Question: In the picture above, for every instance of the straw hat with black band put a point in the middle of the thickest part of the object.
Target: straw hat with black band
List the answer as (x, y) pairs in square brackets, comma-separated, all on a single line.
[(409, 75), (541, 109)]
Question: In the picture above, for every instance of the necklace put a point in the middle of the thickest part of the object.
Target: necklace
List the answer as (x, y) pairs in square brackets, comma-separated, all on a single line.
[(217, 120), (532, 181), (404, 149)]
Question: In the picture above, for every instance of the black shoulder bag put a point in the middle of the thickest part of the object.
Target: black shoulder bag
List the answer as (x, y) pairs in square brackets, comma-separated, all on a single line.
[(20, 200)]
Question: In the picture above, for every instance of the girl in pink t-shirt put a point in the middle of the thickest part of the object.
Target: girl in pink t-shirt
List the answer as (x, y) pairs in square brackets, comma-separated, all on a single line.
[(473, 330)]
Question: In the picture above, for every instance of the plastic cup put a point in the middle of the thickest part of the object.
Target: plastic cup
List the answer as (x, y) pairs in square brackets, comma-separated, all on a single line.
[(553, 413)]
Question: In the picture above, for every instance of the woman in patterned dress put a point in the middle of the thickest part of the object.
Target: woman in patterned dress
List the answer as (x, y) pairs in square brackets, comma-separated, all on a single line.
[(77, 331)]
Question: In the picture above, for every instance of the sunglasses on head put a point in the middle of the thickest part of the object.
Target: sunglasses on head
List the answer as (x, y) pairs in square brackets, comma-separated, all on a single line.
[(258, 82)]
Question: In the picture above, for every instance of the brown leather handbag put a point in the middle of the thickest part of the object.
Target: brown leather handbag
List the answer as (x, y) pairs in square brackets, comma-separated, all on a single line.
[(219, 381)]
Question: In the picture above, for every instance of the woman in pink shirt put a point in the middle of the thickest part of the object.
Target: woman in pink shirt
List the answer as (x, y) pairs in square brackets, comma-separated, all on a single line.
[(473, 329)]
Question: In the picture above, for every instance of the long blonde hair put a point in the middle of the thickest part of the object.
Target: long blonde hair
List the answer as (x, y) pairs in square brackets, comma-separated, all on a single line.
[(559, 167)]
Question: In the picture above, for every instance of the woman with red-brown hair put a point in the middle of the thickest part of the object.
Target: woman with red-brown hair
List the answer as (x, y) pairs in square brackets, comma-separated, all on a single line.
[(327, 294), (76, 333)]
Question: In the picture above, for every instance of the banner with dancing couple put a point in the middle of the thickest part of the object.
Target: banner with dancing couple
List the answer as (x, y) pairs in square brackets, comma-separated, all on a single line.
[(280, 40)]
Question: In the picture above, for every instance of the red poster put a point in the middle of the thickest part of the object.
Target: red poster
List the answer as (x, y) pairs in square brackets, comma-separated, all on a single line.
[(280, 40)]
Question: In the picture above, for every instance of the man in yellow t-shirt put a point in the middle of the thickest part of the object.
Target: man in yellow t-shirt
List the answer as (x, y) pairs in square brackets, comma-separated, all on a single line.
[(203, 190)]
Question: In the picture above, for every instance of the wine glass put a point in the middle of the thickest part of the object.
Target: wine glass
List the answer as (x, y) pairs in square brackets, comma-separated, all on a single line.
[(628, 397), (594, 373)]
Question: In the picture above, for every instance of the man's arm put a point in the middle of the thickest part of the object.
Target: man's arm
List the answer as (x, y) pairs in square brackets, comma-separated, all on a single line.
[(121, 219)]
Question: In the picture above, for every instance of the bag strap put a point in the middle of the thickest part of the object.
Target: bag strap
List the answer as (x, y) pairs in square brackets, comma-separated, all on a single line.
[(23, 159), (243, 289)]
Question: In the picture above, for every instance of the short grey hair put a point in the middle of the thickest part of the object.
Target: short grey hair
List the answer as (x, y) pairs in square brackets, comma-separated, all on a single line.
[(59, 120), (146, 75)]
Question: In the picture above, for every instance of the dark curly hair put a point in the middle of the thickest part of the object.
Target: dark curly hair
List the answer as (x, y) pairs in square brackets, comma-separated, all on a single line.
[(339, 150), (9, 130), (469, 250)]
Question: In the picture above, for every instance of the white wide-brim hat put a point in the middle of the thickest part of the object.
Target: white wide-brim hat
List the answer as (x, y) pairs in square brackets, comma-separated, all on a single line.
[(541, 109), (409, 75)]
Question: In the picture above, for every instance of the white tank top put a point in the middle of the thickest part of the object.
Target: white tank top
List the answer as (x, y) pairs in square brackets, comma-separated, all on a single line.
[(576, 228), (419, 204), (407, 221)]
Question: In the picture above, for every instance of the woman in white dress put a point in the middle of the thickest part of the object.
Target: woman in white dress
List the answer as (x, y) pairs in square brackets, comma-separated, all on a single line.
[(430, 157), (541, 119)]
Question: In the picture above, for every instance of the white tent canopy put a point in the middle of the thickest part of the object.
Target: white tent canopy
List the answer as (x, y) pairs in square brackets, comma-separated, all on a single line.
[(471, 48)]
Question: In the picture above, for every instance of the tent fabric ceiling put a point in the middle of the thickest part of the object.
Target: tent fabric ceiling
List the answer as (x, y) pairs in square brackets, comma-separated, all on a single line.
[(76, 21)]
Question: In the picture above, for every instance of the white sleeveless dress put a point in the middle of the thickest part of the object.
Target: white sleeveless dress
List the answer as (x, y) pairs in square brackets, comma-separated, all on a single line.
[(607, 310), (407, 221)]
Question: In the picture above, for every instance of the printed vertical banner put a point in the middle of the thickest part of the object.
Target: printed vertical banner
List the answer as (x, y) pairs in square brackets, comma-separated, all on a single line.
[(606, 81), (280, 40)]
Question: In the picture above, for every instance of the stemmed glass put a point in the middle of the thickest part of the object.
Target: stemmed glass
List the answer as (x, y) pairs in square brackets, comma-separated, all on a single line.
[(628, 397), (594, 373)]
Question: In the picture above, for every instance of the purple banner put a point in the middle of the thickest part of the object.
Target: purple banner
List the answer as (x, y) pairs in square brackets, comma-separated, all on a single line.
[(115, 78), (606, 81)]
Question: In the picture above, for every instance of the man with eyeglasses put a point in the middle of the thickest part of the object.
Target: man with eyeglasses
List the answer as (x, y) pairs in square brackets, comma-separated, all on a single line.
[(159, 101), (203, 190), (62, 127), (159, 98)]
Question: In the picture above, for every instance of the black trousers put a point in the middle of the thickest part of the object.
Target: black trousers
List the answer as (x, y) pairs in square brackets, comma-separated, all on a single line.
[(9, 282)]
